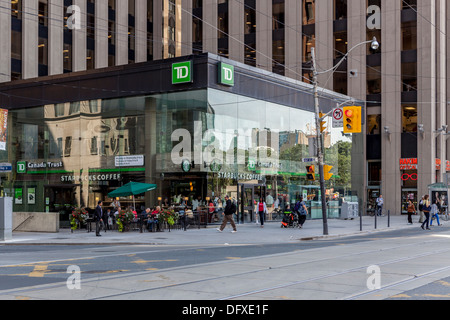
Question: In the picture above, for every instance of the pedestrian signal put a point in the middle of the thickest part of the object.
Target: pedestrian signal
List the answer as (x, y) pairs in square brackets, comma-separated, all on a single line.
[(326, 172), (352, 120), (310, 173)]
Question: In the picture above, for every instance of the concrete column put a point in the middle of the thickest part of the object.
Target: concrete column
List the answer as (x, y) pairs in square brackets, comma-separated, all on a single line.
[(442, 85), (391, 104), (5, 41), (6, 218), (324, 42), (55, 37), (150, 152), (426, 82), (178, 28), (293, 36), (30, 38), (447, 49), (141, 31), (101, 34), (79, 39), (122, 32), (357, 89), (186, 22), (264, 34), (210, 17), (236, 20), (157, 30)]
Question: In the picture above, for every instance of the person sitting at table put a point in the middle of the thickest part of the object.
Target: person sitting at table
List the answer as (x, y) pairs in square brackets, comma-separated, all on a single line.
[(153, 218)]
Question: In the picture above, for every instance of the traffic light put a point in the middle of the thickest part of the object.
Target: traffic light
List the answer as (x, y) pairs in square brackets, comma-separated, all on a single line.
[(322, 123), (326, 172), (310, 173), (352, 120)]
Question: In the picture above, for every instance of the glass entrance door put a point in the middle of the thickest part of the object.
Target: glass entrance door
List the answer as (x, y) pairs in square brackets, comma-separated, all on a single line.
[(248, 197)]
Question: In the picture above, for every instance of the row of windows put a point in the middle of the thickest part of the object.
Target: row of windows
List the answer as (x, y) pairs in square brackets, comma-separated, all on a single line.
[(17, 12)]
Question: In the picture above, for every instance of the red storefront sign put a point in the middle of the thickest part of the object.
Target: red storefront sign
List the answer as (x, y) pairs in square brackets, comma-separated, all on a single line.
[(408, 164)]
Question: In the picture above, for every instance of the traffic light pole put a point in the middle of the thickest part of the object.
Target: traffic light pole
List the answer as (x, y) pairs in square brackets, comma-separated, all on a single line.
[(319, 144), (374, 45)]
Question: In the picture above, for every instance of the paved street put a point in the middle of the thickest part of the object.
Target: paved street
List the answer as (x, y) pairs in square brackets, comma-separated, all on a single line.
[(255, 263)]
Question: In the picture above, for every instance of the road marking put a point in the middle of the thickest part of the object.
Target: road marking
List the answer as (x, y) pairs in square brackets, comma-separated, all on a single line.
[(38, 271), (141, 261)]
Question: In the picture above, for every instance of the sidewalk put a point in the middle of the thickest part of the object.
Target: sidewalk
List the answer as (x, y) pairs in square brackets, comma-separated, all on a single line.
[(247, 234)]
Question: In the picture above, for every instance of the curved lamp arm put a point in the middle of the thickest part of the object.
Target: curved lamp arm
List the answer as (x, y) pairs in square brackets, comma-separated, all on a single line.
[(374, 44)]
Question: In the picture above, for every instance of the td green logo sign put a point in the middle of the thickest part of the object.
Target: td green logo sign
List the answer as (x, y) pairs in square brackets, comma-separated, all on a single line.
[(182, 72), (226, 74), (21, 167)]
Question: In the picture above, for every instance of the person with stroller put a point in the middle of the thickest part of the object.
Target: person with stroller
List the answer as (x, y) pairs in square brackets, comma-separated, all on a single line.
[(302, 211)]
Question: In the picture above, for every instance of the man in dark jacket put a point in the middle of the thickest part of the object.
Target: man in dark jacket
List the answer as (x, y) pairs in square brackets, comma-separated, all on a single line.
[(98, 217), (230, 209)]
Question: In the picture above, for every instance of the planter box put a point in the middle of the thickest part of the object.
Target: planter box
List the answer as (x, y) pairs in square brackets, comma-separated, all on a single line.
[(36, 222)]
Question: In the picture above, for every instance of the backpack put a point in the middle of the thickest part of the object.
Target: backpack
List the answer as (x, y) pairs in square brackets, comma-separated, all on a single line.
[(297, 206), (233, 208), (303, 210), (421, 205), (261, 207)]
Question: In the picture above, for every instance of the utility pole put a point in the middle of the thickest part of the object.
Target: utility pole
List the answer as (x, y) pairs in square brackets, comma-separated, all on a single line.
[(374, 45), (319, 144)]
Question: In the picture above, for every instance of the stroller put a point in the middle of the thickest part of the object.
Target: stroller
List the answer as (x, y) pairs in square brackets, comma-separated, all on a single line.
[(290, 220)]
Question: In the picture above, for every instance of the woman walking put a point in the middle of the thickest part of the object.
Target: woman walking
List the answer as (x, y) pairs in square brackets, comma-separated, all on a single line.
[(435, 212), (411, 211), (426, 212)]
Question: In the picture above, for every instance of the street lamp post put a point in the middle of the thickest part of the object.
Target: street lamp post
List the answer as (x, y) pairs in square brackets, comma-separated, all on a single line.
[(375, 45)]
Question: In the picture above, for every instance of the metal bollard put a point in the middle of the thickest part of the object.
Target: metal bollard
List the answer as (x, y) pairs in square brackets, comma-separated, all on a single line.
[(389, 218), (376, 214)]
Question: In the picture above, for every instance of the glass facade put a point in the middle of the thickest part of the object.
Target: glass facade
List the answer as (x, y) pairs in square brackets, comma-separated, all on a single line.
[(193, 144)]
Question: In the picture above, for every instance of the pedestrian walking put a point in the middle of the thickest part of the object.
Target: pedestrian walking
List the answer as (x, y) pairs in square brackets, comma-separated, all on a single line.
[(380, 202), (421, 218), (426, 212), (230, 209), (262, 210), (435, 209), (411, 211), (98, 216), (302, 213)]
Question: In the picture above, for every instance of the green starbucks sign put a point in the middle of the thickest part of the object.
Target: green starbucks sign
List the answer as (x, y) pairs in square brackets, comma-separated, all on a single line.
[(182, 72)]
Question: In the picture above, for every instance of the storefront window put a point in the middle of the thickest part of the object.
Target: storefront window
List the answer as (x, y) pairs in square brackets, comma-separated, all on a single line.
[(194, 145)]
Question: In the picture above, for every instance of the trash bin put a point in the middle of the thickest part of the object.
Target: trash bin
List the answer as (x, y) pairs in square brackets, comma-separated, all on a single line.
[(349, 210), (6, 219)]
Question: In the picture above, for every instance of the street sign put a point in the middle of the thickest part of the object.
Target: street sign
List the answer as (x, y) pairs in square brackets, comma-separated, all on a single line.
[(308, 160), (5, 167), (338, 118)]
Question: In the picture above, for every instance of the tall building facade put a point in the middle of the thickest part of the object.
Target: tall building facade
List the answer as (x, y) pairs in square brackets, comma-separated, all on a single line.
[(403, 82)]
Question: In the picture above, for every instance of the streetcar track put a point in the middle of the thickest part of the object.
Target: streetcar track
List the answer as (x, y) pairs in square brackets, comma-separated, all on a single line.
[(253, 271)]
